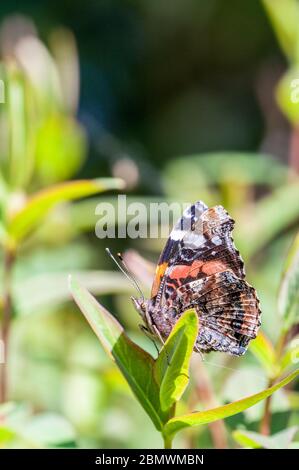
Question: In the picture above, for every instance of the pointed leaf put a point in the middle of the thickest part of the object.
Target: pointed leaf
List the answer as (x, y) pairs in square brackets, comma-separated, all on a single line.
[(290, 356), (287, 94), (262, 348), (280, 440), (284, 16), (135, 364), (246, 439), (27, 218), (18, 128), (172, 365), (204, 417)]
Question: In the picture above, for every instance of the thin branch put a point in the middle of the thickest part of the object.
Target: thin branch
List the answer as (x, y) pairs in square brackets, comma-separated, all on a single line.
[(205, 393), (265, 427), (167, 442)]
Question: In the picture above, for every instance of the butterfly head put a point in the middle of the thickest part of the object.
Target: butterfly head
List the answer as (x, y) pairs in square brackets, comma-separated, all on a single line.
[(143, 307), (140, 305)]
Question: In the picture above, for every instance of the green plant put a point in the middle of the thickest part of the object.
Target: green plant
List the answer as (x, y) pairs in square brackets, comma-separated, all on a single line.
[(284, 17), (43, 145), (277, 358), (158, 384), (65, 390)]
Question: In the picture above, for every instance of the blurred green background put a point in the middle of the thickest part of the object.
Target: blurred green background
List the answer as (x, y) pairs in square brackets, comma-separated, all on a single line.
[(183, 101)]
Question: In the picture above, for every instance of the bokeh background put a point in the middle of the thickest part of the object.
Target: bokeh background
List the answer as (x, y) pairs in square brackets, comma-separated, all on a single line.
[(183, 101)]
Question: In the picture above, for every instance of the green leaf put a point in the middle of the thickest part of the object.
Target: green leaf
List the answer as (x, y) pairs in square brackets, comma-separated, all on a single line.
[(19, 151), (280, 440), (284, 16), (287, 94), (246, 439), (60, 149), (204, 417), (135, 364), (262, 348), (172, 366), (290, 356), (27, 218), (293, 400), (6, 435), (265, 225), (288, 299)]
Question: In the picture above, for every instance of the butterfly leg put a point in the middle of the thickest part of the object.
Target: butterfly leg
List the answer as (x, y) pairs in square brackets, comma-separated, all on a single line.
[(146, 331), (200, 353), (157, 333)]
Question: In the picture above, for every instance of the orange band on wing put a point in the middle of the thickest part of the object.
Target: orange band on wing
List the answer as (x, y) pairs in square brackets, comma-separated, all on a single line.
[(208, 268), (161, 268), (214, 267), (183, 270)]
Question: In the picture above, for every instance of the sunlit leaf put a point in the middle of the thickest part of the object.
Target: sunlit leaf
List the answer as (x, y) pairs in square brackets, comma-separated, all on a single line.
[(6, 435), (290, 356), (20, 153), (284, 16), (27, 218), (293, 399), (246, 439), (280, 440), (263, 350), (287, 94), (172, 366), (135, 364), (60, 149), (204, 417), (288, 300)]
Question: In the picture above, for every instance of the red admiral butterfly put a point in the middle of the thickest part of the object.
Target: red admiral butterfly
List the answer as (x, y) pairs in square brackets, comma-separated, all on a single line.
[(200, 268)]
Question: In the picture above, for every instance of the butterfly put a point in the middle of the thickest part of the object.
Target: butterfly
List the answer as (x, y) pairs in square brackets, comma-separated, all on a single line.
[(201, 268)]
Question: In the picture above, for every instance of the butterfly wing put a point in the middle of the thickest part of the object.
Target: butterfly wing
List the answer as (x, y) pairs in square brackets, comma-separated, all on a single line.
[(172, 250), (199, 245), (228, 309), (201, 267)]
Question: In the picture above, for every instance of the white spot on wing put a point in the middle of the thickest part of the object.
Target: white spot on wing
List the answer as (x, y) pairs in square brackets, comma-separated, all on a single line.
[(177, 235), (216, 240)]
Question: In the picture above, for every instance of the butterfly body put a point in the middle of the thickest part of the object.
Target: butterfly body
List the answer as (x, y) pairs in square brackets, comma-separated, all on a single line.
[(200, 268)]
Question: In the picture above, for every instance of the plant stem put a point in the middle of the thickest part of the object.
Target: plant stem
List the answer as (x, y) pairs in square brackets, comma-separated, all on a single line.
[(265, 427), (167, 442), (205, 393), (9, 257)]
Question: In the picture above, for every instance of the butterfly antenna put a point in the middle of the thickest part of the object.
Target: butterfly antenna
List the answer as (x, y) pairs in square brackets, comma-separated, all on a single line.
[(125, 270)]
